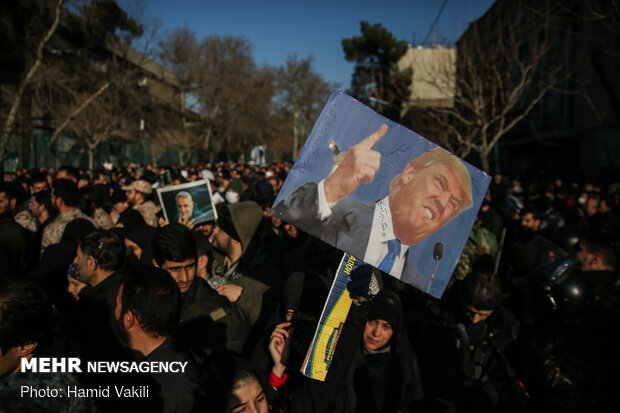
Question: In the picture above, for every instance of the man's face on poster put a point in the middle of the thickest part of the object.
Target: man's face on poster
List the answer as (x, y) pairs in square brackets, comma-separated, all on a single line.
[(186, 206), (424, 200)]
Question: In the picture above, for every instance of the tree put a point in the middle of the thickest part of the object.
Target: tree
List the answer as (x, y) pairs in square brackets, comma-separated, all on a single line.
[(58, 81), (377, 81), (29, 70), (597, 38), (231, 93), (503, 70), (105, 30), (114, 114), (301, 93)]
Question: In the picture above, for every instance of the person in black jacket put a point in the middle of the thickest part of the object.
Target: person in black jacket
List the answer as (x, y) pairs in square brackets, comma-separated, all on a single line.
[(99, 259), (13, 237), (208, 321), (571, 356), (147, 308), (464, 342)]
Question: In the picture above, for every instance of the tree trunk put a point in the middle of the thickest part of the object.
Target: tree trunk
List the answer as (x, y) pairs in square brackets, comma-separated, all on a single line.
[(153, 154), (24, 159), (10, 119), (206, 143), (295, 134), (91, 155), (295, 146), (484, 161), (25, 132)]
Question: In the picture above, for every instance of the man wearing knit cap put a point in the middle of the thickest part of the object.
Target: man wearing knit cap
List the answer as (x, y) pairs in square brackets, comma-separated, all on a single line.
[(139, 198), (247, 269)]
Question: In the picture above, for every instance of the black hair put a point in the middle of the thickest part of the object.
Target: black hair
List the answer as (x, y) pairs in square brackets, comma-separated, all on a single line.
[(14, 190), (26, 315), (239, 377), (481, 288), (70, 170), (153, 297), (44, 198), (242, 376), (86, 204), (149, 176), (85, 177), (105, 247), (98, 197), (67, 190), (175, 243), (536, 214), (203, 246), (38, 177), (225, 174), (101, 172), (602, 242)]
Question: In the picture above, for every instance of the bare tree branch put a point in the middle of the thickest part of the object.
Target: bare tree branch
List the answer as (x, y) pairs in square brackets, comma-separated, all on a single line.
[(76, 112), (15, 106)]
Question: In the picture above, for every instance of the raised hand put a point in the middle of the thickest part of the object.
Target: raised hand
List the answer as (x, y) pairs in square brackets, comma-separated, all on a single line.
[(189, 222), (276, 347), (358, 167)]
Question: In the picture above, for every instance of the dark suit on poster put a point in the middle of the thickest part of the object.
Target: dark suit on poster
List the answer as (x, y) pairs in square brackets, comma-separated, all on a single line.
[(348, 228)]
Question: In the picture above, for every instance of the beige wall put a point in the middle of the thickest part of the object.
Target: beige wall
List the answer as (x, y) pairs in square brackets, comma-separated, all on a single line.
[(433, 76)]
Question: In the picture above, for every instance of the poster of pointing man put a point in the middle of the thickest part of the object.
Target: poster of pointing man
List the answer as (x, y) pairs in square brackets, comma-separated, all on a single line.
[(382, 193)]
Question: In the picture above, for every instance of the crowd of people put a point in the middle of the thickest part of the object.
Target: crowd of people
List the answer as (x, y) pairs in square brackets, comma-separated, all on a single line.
[(90, 268)]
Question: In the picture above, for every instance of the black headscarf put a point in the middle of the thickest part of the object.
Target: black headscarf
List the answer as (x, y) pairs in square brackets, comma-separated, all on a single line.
[(74, 231), (131, 218), (387, 306), (142, 236), (400, 365)]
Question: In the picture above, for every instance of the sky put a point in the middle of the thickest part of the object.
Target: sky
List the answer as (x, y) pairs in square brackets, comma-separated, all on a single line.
[(279, 28)]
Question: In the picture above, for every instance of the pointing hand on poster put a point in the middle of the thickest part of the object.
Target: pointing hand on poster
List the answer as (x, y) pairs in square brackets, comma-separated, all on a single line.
[(358, 167)]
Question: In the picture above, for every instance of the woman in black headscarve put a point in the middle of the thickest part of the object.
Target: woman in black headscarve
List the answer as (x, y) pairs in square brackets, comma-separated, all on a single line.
[(385, 377), (138, 243), (374, 368), (137, 236), (130, 219)]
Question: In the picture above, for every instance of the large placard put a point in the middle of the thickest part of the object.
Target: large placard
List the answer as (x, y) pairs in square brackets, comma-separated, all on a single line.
[(382, 193)]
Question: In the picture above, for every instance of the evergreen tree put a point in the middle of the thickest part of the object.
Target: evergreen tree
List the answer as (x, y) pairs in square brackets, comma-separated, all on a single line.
[(377, 81)]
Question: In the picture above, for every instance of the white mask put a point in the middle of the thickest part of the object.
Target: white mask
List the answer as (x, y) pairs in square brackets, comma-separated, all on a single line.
[(232, 197)]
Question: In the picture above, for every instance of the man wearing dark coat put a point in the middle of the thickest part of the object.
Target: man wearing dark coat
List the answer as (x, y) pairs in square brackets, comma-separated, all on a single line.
[(208, 322), (464, 340), (99, 260)]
